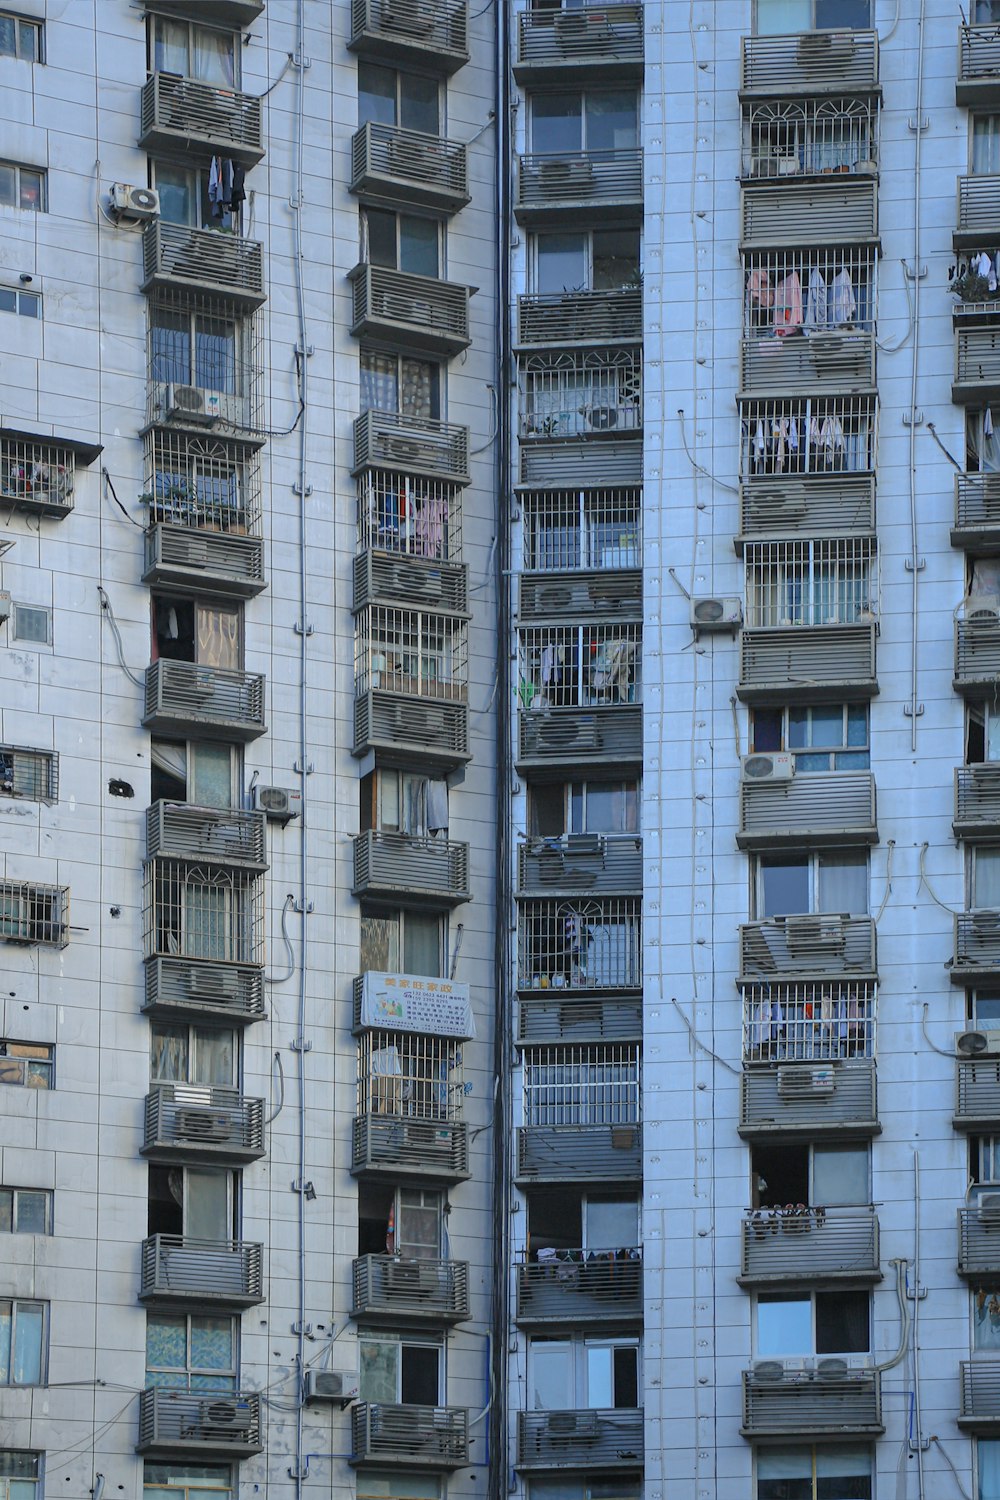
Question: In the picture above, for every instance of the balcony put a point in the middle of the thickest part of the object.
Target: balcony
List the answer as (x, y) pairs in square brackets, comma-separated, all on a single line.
[(977, 801), (977, 366), (34, 915), (406, 168), (829, 1401), (574, 319), (411, 871), (977, 513), (579, 737), (392, 1291), (419, 312), (184, 1273), (789, 215), (579, 943), (554, 187), (810, 62), (826, 1245), (614, 593), (977, 652), (181, 114), (580, 1287), (582, 462), (588, 1439), (809, 664), (824, 946), (977, 948), (979, 1244), (191, 1123), (397, 728), (978, 219), (182, 990), (428, 34), (216, 562), (809, 1099), (183, 697), (599, 42), (239, 14), (216, 835), (606, 865), (417, 445), (978, 1104), (579, 1153), (830, 363), (554, 1017), (414, 1149), (422, 1437), (980, 1409), (783, 508), (38, 473), (820, 808), (206, 260), (398, 578), (194, 1425), (978, 82)]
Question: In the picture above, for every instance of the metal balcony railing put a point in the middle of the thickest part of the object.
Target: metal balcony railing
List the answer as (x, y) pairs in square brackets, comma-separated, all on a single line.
[(416, 445), (396, 724), (829, 807), (421, 653), (825, 363), (978, 210), (396, 1146), (409, 517), (192, 1122), (581, 736), (425, 1437), (580, 943), (787, 213), (203, 484), (401, 578), (183, 112), (808, 506), (980, 1408), (238, 14), (579, 318), (34, 915), (579, 1153), (183, 696), (603, 864), (37, 476), (810, 62), (560, 183), (808, 663), (590, 535), (809, 1021), (408, 167), (977, 651), (204, 911), (978, 81), (829, 1400), (579, 463), (978, 1103), (225, 836), (978, 1245), (810, 137), (977, 511), (218, 560), (552, 1017), (411, 870), (810, 947), (189, 991), (977, 801), (210, 1273), (814, 1098), (217, 1424), (580, 1286), (420, 312), (804, 1244), (389, 1288), (977, 366), (615, 593), (604, 41), (212, 261), (430, 33), (977, 946), (586, 1439)]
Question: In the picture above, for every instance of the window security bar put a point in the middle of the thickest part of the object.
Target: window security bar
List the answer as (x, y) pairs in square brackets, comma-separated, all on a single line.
[(808, 1022), (404, 1073), (580, 944), (203, 912), (829, 435), (797, 137), (202, 482), (810, 582), (564, 529), (829, 289), (205, 362), (410, 651), (580, 666), (33, 774), (34, 913), (400, 513), (574, 395), (36, 474), (597, 1085)]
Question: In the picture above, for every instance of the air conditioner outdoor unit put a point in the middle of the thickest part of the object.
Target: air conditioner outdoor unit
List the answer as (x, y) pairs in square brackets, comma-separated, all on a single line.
[(191, 404), (331, 1385), (832, 1369), (567, 734), (134, 204), (988, 1208), (408, 578), (771, 767), (411, 722), (800, 1082), (230, 1417), (213, 984), (768, 1370), (716, 614), (278, 802), (977, 1043), (202, 1125)]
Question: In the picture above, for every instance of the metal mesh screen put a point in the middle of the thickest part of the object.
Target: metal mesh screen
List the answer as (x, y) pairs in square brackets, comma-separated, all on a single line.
[(829, 582)]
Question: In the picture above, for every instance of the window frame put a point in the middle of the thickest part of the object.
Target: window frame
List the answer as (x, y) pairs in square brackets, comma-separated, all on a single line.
[(812, 26), (32, 24), (47, 1062), (163, 1490), (584, 95), (813, 859), (437, 374), (400, 218), (796, 1450), (415, 1340), (192, 27), (158, 1033), (587, 235), (373, 911), (37, 1479), (809, 1294), (800, 751), (196, 188), (236, 381), (34, 1303), (577, 1347), (24, 304), (20, 606), (15, 1193), (19, 169), (46, 769)]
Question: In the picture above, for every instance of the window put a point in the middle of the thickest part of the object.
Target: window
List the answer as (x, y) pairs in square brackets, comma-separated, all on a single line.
[(809, 583), (25, 304), (982, 733), (814, 1473), (568, 666), (397, 383), (596, 121), (566, 1218), (26, 1063), (191, 51), (582, 1487), (402, 513), (23, 1342), (197, 911), (831, 738), (590, 1373), (404, 802), (985, 1307), (584, 529), (790, 1175), (25, 1210), (574, 394), (201, 772), (988, 1468), (22, 187), (985, 156), (984, 878), (400, 1221), (184, 198), (837, 1322), (386, 97), (402, 942), (195, 348), (193, 1054), (375, 1486), (197, 631), (33, 623), (609, 807), (586, 260), (193, 1353), (579, 944), (20, 38), (187, 1482), (31, 774), (822, 436), (782, 16), (201, 482), (782, 138), (595, 1085), (791, 885), (393, 1369), (809, 1022), (411, 1074), (199, 1202), (983, 1008), (982, 444), (403, 242)]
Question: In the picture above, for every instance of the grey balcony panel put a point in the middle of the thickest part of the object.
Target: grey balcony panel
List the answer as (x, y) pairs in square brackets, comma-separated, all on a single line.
[(809, 1099), (182, 696), (814, 1244), (199, 1424), (977, 653), (575, 318), (411, 870), (978, 211), (225, 836), (810, 62), (554, 1017), (834, 504), (550, 187), (839, 210), (206, 260), (177, 1270), (977, 801), (588, 463), (979, 1245), (389, 1289), (394, 578), (579, 1153), (587, 1439), (824, 364), (424, 1437), (610, 592), (415, 445), (977, 513), (217, 562), (806, 1403), (603, 41), (394, 1146), (831, 807), (824, 946), (431, 34), (814, 663), (978, 82), (397, 727), (581, 1287), (978, 1102), (980, 1408), (977, 947), (977, 366), (238, 14), (185, 989), (183, 112), (409, 168), (418, 311), (581, 736), (603, 864), (190, 1123)]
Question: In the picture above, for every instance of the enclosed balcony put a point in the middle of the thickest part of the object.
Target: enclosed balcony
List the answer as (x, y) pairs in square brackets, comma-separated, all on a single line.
[(806, 1021), (183, 698), (557, 186), (614, 593), (815, 664), (978, 82), (225, 836), (599, 42), (978, 1103), (824, 946), (787, 214), (977, 513), (239, 14), (580, 687), (190, 1123), (418, 1437), (978, 220), (588, 1439), (207, 912), (604, 864), (812, 136), (826, 363), (206, 259), (580, 1287), (410, 1098), (397, 728), (579, 1153), (427, 34), (580, 737), (977, 366), (977, 801), (555, 1017), (580, 417), (977, 651), (182, 990), (402, 578), (393, 1291), (979, 1243), (181, 1272), (38, 473), (819, 808), (793, 1245), (414, 663), (980, 1408), (408, 518), (418, 445), (977, 947), (406, 168), (780, 507), (808, 1099), (580, 944), (418, 312), (579, 318), (810, 62), (34, 915), (183, 114), (411, 871), (195, 1425), (830, 1400), (215, 562), (414, 1149)]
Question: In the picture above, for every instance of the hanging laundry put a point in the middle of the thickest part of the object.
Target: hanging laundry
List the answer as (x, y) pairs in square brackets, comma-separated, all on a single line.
[(987, 423), (843, 303), (816, 302), (759, 441), (238, 190), (437, 806), (759, 288), (215, 181), (788, 304)]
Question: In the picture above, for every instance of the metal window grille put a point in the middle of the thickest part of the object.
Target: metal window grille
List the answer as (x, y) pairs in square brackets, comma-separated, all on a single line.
[(597, 1085), (788, 137), (34, 913), (808, 1022), (580, 944), (410, 651), (36, 472), (203, 482), (205, 362), (404, 1073), (830, 435), (581, 529), (573, 395), (200, 911), (33, 774), (829, 582), (399, 513), (846, 296), (580, 665)]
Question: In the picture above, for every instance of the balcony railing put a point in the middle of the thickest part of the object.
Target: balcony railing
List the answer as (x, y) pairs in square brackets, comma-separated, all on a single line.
[(184, 113), (34, 915), (417, 445), (182, 697), (390, 1289), (977, 801), (38, 474), (977, 651), (810, 62), (808, 1021), (579, 318), (604, 864), (978, 210), (579, 1153), (211, 261), (432, 34), (399, 578), (191, 1122), (409, 168), (830, 1401), (219, 561), (588, 1439), (980, 1409), (581, 736), (551, 186), (831, 807), (395, 1146), (225, 836), (817, 1098), (612, 592), (977, 366), (579, 943), (788, 214), (420, 312), (978, 1103), (810, 947), (397, 725), (978, 80), (809, 663), (425, 1437), (579, 463), (580, 1286), (552, 1017), (977, 947), (177, 1270), (182, 989), (977, 512), (410, 870), (239, 14), (804, 507), (979, 1244), (605, 41), (824, 363), (805, 1244), (199, 1424)]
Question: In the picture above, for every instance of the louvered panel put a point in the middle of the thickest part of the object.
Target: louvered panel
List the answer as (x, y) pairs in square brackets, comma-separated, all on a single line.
[(817, 504), (979, 1098), (807, 1097), (399, 578), (980, 1409), (821, 363), (977, 511), (978, 210), (408, 869), (214, 561), (978, 1245), (977, 946), (581, 1286), (810, 62), (604, 864), (555, 43), (804, 1402), (419, 311), (183, 695), (390, 1287), (433, 34), (421, 1437), (580, 595), (409, 167), (217, 835), (551, 1017), (832, 807), (392, 723), (977, 801), (822, 213), (808, 662), (417, 445), (579, 1153), (806, 947), (977, 365), (575, 318), (562, 183), (979, 66), (585, 1439), (394, 1146), (977, 651), (594, 463), (577, 737), (789, 1245), (187, 112), (203, 257)]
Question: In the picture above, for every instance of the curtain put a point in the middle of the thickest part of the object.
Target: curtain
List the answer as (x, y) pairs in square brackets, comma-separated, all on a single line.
[(218, 643), (215, 355), (214, 59), (987, 878), (843, 884), (985, 143), (986, 1321), (379, 382), (168, 1055), (206, 916), (170, 347)]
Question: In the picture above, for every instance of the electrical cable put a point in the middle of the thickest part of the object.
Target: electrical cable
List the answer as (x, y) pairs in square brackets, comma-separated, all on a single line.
[(948, 455), (698, 469), (284, 978), (927, 885), (281, 1088), (290, 58), (891, 844), (904, 1318), (933, 1045), (699, 1043), (111, 489), (901, 343), (116, 633), (495, 409), (948, 1460)]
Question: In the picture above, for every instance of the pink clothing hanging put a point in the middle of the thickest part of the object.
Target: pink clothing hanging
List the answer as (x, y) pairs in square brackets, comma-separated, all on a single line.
[(788, 304)]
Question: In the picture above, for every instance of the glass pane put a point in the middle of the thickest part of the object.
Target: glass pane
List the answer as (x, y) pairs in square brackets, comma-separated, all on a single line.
[(214, 1057), (214, 57), (212, 1344), (616, 258), (774, 17), (379, 1370), (176, 188), (421, 945), (215, 355), (840, 1175), (8, 187), (28, 36), (561, 262), (418, 246), (170, 46), (207, 1214), (5, 1330), (206, 913), (784, 1326), (211, 776), (29, 1327), (376, 95), (381, 237), (379, 944), (556, 123), (988, 1467), (6, 1210), (31, 189), (986, 1009), (833, 14), (784, 887), (168, 1054), (612, 121), (843, 883), (610, 1224), (550, 1379), (418, 104), (986, 884), (843, 1322), (32, 1212), (8, 36), (985, 143), (600, 1377), (166, 1343), (170, 340), (857, 725)]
